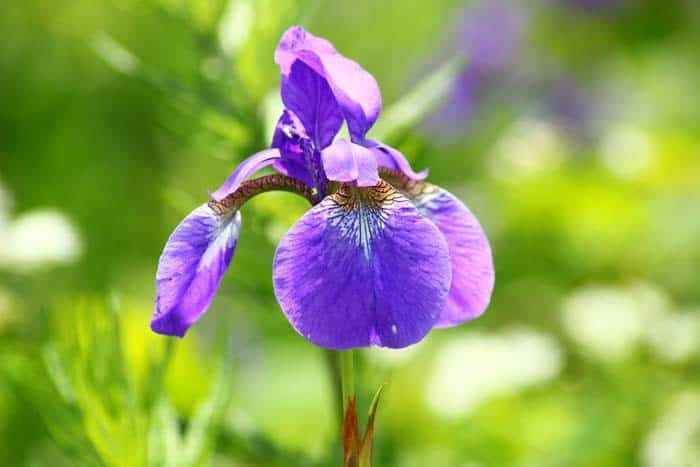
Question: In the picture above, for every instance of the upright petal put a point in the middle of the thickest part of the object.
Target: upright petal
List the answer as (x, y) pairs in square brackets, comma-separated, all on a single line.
[(354, 88), (362, 268), (348, 162), (308, 95), (191, 266), (470, 254), (294, 144), (390, 158), (244, 170)]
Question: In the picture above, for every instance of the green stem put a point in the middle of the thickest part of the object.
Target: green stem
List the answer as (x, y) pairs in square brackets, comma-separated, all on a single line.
[(347, 377)]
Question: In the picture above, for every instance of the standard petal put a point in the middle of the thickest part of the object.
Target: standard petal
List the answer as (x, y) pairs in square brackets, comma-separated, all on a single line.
[(390, 158), (191, 266), (308, 95), (292, 141), (244, 170), (348, 162), (470, 254), (362, 268), (354, 88)]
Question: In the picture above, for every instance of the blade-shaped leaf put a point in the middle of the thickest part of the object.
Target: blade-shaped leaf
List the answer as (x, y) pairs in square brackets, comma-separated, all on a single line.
[(351, 435), (419, 102), (365, 456)]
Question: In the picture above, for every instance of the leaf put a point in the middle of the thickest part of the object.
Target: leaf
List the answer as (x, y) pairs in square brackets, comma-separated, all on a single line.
[(62, 421), (210, 414), (418, 103), (351, 435), (236, 25), (365, 455), (163, 436)]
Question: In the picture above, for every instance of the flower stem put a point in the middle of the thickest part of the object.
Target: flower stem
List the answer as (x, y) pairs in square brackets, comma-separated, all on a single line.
[(333, 365), (347, 377)]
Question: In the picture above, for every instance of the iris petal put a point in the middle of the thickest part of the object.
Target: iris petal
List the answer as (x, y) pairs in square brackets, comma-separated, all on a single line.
[(354, 88), (391, 158), (362, 268), (191, 266), (348, 162), (291, 139), (308, 95), (470, 254), (244, 170)]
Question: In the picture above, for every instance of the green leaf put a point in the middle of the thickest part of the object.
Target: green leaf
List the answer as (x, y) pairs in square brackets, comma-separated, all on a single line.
[(200, 435), (164, 439), (365, 456)]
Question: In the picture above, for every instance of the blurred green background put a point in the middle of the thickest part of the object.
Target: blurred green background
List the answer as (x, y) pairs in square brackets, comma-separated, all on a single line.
[(573, 132)]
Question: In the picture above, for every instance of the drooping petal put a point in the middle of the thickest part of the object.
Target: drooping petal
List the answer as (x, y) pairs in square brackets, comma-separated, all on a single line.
[(390, 158), (470, 254), (244, 170), (191, 266), (362, 268), (308, 95), (354, 88), (348, 162)]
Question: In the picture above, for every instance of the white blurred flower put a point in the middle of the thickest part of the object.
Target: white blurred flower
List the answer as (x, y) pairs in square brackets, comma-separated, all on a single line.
[(675, 440), (529, 147), (608, 322), (37, 238), (626, 151), (471, 369), (676, 337)]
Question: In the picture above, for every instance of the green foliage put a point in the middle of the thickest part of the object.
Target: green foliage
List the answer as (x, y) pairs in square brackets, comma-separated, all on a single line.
[(92, 407)]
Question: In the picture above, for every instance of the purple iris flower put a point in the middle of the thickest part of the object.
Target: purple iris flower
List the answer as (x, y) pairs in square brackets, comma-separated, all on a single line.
[(490, 34), (573, 108), (380, 258)]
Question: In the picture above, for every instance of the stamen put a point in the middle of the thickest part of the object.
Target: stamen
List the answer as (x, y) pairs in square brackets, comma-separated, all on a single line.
[(252, 188), (349, 196)]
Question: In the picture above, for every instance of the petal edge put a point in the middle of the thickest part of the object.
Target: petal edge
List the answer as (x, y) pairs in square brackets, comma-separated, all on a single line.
[(191, 267), (473, 273)]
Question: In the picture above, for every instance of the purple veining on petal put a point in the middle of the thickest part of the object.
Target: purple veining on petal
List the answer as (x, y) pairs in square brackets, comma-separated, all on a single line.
[(355, 90), (362, 268), (470, 255), (308, 95), (391, 158), (191, 266), (244, 170), (344, 161)]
